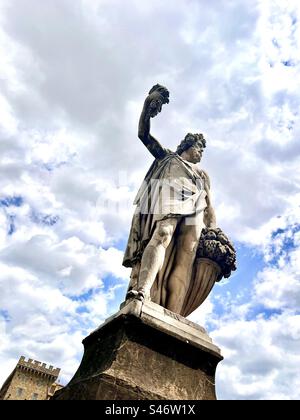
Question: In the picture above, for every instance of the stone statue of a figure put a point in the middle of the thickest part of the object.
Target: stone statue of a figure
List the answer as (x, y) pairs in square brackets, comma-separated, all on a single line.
[(173, 207)]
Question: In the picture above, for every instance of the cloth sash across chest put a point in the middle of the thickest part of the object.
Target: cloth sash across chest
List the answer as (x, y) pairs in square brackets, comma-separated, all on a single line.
[(172, 187)]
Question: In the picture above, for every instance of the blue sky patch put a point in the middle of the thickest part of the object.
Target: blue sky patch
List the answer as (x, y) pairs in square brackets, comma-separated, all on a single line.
[(249, 262), (238, 288), (288, 63), (44, 219), (267, 313), (4, 314), (84, 297), (82, 310), (16, 201), (11, 224), (288, 243), (121, 244)]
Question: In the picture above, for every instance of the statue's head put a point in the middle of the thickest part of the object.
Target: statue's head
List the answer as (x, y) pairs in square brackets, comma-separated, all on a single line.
[(192, 147), (162, 91)]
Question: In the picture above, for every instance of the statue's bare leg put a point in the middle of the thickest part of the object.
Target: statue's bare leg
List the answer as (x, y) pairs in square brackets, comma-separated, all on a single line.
[(134, 278), (154, 254), (178, 283)]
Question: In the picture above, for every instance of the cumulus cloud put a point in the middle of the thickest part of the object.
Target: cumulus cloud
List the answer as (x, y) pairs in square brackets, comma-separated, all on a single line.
[(74, 77), (267, 353), (259, 335)]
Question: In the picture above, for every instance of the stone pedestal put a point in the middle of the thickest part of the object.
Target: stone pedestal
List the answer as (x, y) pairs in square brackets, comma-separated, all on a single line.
[(145, 352)]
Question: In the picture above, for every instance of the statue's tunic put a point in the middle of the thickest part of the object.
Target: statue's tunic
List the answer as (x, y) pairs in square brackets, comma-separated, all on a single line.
[(173, 187)]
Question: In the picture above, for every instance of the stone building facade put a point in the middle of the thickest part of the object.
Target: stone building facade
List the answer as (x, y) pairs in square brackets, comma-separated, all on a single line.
[(30, 380)]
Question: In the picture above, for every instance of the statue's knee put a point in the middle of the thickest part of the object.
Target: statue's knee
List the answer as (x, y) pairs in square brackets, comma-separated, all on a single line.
[(163, 231), (163, 235)]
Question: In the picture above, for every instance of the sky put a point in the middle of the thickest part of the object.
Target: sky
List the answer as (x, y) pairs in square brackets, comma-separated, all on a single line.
[(74, 75)]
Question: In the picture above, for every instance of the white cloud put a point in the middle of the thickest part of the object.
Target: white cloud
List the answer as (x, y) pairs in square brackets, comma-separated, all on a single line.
[(278, 284), (259, 358), (203, 313), (71, 92), (260, 339)]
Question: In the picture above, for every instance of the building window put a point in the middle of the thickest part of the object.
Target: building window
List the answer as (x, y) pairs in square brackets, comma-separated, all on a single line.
[(34, 396), (19, 392)]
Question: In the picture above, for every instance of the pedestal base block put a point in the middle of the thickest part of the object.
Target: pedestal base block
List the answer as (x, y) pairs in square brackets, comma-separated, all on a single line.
[(145, 352)]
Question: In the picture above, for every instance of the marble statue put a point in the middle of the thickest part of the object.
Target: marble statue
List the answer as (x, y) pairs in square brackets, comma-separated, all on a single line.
[(174, 240)]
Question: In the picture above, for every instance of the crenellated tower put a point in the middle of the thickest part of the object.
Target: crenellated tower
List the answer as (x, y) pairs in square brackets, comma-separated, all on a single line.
[(30, 380)]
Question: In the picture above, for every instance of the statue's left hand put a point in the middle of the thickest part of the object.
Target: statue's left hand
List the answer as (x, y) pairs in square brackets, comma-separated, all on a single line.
[(210, 218)]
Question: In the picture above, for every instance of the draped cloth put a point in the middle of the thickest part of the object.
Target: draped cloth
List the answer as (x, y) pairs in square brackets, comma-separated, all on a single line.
[(173, 187)]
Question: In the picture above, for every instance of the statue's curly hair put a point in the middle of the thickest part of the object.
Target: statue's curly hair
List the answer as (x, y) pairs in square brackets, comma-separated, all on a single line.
[(189, 141)]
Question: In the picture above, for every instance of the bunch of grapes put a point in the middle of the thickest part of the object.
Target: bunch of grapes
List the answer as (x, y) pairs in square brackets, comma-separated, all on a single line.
[(215, 245)]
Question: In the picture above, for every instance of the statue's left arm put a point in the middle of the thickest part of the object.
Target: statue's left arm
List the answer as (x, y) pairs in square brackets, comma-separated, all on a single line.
[(209, 212)]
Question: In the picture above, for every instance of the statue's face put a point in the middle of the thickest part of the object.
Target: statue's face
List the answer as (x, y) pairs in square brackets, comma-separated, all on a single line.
[(155, 107), (195, 153)]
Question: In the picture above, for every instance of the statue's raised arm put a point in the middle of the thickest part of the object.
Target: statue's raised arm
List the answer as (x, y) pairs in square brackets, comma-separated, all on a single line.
[(157, 96)]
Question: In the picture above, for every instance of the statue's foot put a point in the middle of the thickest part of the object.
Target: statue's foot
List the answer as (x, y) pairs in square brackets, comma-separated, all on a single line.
[(131, 294), (141, 295), (137, 294)]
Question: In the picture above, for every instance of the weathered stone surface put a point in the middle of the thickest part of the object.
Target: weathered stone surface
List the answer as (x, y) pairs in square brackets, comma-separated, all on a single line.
[(30, 380), (144, 353), (205, 275)]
